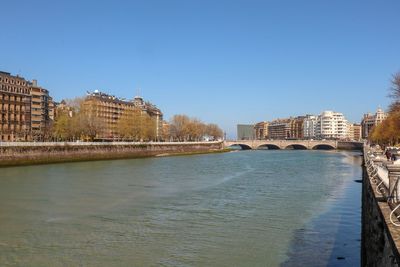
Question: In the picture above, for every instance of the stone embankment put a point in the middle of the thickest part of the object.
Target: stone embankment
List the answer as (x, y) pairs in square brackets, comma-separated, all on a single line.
[(380, 212), (23, 153)]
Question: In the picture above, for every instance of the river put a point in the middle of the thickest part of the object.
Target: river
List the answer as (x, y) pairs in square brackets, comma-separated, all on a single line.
[(245, 208)]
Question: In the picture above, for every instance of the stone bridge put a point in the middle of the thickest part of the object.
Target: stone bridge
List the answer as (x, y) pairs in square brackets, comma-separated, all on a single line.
[(284, 144)]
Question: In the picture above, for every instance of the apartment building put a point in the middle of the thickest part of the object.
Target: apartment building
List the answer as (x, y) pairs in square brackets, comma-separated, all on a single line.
[(357, 130), (331, 125), (110, 109), (279, 129), (261, 130), (354, 131), (288, 128), (370, 120), (15, 108), (309, 126), (296, 128), (27, 110), (42, 112)]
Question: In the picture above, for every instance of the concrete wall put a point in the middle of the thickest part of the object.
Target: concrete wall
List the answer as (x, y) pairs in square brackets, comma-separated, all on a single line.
[(378, 246), (344, 145), (38, 153)]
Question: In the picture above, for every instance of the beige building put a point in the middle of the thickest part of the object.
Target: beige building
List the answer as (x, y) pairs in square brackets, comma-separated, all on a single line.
[(357, 132), (15, 108), (110, 109), (42, 112), (290, 128), (62, 107), (165, 135), (279, 129), (354, 131), (261, 130), (27, 110), (370, 120)]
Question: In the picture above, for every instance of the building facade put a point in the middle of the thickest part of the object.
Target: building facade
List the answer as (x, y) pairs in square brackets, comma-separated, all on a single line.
[(261, 130), (296, 130), (109, 109), (327, 125), (245, 132), (15, 108), (309, 126), (42, 112), (279, 129), (289, 128), (331, 125), (27, 110), (354, 132), (370, 120), (357, 132)]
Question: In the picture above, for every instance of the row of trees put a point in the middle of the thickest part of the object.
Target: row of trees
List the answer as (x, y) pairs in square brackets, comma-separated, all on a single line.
[(388, 132), (136, 125), (184, 128), (78, 121)]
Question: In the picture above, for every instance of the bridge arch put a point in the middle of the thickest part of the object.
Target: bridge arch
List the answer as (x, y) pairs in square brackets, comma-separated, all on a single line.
[(242, 146), (268, 147), (323, 147), (296, 147)]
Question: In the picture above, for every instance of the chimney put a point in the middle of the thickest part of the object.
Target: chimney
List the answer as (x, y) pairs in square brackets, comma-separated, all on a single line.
[(34, 82)]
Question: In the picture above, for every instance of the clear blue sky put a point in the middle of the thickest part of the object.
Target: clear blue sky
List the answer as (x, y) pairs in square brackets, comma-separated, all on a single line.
[(223, 61)]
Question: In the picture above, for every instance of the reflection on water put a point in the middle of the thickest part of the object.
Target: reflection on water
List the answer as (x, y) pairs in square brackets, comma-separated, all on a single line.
[(335, 235), (249, 208)]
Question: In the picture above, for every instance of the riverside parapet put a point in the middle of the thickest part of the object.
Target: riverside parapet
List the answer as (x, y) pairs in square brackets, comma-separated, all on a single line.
[(380, 204), (24, 153)]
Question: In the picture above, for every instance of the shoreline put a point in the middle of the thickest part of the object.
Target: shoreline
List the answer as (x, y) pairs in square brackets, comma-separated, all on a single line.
[(25, 156), (102, 157), (21, 154)]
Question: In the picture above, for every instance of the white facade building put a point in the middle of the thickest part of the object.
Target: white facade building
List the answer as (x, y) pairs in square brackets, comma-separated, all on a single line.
[(309, 126), (328, 125), (332, 125)]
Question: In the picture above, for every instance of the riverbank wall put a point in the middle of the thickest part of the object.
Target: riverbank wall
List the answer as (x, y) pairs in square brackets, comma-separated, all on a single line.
[(348, 145), (21, 153), (380, 237)]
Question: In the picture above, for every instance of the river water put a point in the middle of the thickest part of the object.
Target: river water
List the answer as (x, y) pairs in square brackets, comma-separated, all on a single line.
[(246, 208)]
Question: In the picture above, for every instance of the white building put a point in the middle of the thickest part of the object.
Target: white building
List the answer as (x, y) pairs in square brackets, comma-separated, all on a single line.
[(309, 126), (331, 125), (328, 125)]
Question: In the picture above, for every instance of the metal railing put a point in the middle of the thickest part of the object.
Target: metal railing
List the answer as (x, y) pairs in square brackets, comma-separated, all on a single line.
[(386, 176)]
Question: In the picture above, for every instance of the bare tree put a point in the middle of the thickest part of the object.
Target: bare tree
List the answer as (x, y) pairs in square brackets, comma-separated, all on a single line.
[(179, 127), (183, 128), (214, 131), (136, 125), (395, 93)]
